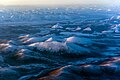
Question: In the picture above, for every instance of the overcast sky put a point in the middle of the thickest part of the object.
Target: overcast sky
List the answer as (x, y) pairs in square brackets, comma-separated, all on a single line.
[(57, 2)]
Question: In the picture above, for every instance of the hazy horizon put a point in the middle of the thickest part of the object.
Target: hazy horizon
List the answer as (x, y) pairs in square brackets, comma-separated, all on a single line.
[(57, 2)]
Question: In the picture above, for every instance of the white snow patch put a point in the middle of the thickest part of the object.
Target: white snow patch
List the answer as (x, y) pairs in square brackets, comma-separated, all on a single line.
[(106, 32), (23, 52), (33, 40), (49, 46), (57, 26), (87, 29), (78, 28), (69, 28), (118, 17), (7, 48), (49, 40), (109, 10), (25, 36), (116, 28), (56, 47), (78, 40)]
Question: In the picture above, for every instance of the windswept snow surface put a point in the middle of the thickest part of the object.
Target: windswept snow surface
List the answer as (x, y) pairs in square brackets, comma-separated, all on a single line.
[(81, 43)]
